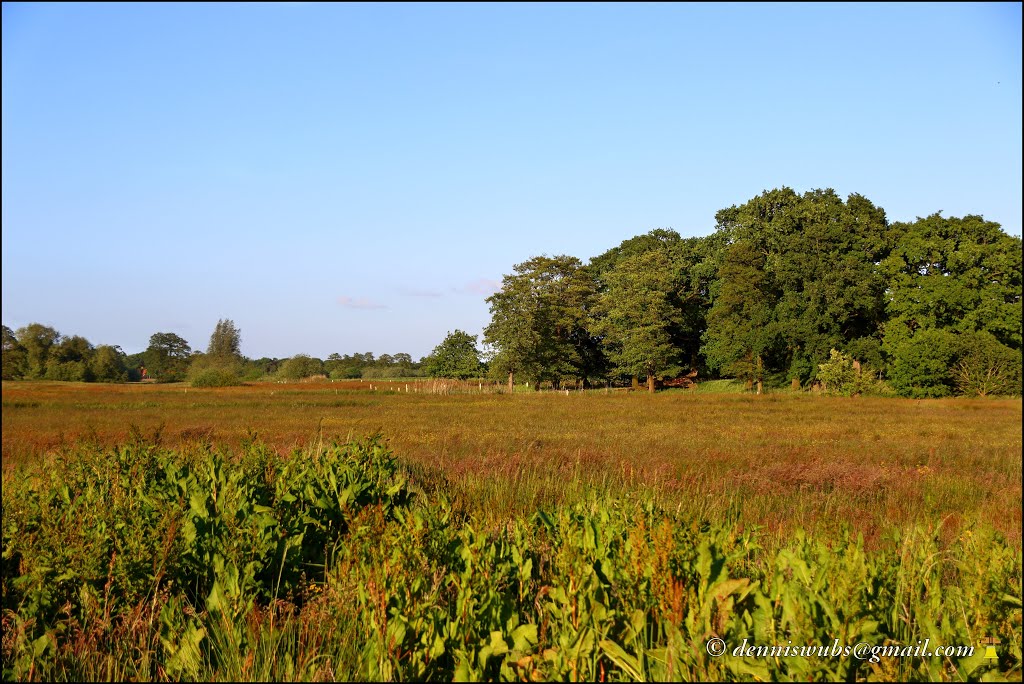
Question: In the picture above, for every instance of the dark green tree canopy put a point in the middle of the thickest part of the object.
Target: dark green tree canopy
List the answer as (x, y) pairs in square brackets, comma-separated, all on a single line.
[(225, 342), (301, 366), (821, 256), (957, 274), (15, 358), (108, 364), (37, 340), (167, 356), (743, 333), (456, 357), (637, 314), (539, 320)]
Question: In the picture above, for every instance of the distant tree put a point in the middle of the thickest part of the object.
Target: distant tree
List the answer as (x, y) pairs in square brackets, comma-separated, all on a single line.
[(167, 357), (694, 264), (222, 355), (133, 364), (254, 369), (70, 360), (742, 334), (456, 357), (662, 240), (985, 367), (37, 340), (212, 377), (956, 274), (108, 365), (15, 359), (346, 372), (301, 366), (225, 342), (539, 320), (922, 366), (637, 316), (821, 257)]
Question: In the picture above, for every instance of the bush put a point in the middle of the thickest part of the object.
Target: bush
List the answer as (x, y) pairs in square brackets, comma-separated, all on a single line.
[(841, 376), (837, 375), (375, 372), (68, 371), (301, 366), (921, 366), (215, 377), (986, 367)]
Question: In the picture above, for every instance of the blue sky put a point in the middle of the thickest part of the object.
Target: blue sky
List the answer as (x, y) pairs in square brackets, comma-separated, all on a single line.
[(349, 178)]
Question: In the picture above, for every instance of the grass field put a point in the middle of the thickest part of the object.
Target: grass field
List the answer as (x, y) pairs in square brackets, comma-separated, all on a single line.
[(638, 505), (780, 461)]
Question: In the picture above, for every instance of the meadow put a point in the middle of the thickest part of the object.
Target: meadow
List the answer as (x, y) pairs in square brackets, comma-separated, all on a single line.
[(166, 532)]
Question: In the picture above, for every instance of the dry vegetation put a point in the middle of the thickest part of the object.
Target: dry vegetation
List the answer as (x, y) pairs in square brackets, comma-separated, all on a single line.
[(780, 461)]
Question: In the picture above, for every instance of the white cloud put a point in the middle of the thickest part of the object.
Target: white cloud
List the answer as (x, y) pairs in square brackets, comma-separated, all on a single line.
[(359, 303), (480, 286), (415, 292)]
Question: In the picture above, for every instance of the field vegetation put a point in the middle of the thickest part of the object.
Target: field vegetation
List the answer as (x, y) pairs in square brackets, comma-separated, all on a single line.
[(166, 532)]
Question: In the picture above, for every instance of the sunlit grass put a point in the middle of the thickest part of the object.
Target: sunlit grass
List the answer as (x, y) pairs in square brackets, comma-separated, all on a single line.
[(783, 461)]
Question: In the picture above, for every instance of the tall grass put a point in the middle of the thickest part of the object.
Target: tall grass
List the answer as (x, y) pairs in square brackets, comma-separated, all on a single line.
[(339, 561), (783, 461)]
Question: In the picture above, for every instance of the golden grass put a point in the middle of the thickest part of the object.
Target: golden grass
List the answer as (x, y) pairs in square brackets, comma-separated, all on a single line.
[(781, 461)]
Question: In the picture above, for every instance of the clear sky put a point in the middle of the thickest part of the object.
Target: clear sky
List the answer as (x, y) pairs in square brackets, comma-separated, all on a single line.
[(350, 178)]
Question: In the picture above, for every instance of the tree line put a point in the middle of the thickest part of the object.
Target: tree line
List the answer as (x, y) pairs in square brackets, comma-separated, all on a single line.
[(40, 352), (789, 290)]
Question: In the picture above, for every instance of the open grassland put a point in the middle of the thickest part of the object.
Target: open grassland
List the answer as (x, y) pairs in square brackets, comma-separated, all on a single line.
[(780, 461), (154, 533)]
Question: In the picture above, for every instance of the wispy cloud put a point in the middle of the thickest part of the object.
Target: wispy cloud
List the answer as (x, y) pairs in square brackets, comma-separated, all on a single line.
[(359, 303), (480, 286), (415, 292)]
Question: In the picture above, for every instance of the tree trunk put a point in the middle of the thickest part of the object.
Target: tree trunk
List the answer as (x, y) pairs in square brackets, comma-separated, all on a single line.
[(650, 383), (510, 386), (760, 371), (536, 385), (636, 382)]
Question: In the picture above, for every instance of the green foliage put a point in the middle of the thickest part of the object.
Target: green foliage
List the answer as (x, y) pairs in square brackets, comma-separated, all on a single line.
[(107, 364), (214, 377), (846, 376), (956, 274), (301, 366), (813, 259), (68, 371), (742, 333), (225, 342), (456, 357), (539, 320), (37, 340), (636, 316), (838, 375), (922, 365), (15, 358), (167, 357), (149, 564), (985, 367)]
